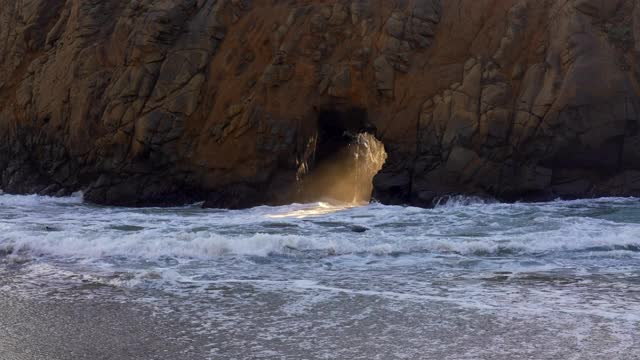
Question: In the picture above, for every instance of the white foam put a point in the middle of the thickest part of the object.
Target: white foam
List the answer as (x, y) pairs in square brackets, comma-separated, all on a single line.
[(38, 200), (559, 261), (42, 225), (462, 201)]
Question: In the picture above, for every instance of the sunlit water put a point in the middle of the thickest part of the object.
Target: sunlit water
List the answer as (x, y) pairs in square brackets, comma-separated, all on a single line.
[(332, 281)]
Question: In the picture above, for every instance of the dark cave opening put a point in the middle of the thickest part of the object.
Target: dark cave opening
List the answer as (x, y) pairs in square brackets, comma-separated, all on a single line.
[(337, 129), (346, 158)]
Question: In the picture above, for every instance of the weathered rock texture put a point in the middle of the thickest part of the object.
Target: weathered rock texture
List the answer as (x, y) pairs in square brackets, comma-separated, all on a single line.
[(143, 102)]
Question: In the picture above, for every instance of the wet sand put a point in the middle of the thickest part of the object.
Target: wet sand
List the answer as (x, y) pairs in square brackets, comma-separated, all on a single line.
[(88, 329), (92, 328)]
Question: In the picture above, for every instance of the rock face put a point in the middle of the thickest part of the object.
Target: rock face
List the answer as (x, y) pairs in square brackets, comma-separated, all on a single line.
[(141, 102)]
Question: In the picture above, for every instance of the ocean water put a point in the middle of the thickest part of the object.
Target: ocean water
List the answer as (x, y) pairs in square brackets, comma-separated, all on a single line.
[(465, 280)]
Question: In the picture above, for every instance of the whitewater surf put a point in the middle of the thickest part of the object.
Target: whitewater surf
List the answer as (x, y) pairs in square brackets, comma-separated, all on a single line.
[(466, 279)]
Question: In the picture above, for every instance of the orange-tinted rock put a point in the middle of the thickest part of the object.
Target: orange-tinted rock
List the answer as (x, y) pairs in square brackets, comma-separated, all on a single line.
[(161, 102)]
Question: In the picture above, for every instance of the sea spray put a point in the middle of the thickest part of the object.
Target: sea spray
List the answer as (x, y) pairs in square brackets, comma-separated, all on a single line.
[(344, 175), (369, 158)]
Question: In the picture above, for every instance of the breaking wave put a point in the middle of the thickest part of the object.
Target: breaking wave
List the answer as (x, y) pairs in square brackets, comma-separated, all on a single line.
[(43, 226)]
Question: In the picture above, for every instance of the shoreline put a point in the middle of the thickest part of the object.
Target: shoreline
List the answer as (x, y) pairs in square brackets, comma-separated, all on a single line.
[(92, 328)]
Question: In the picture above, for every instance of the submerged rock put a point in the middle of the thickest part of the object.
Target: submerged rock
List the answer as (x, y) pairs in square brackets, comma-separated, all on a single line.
[(161, 103), (358, 228)]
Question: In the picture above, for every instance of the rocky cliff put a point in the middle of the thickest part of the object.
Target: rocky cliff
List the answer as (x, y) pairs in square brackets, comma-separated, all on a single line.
[(141, 102)]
